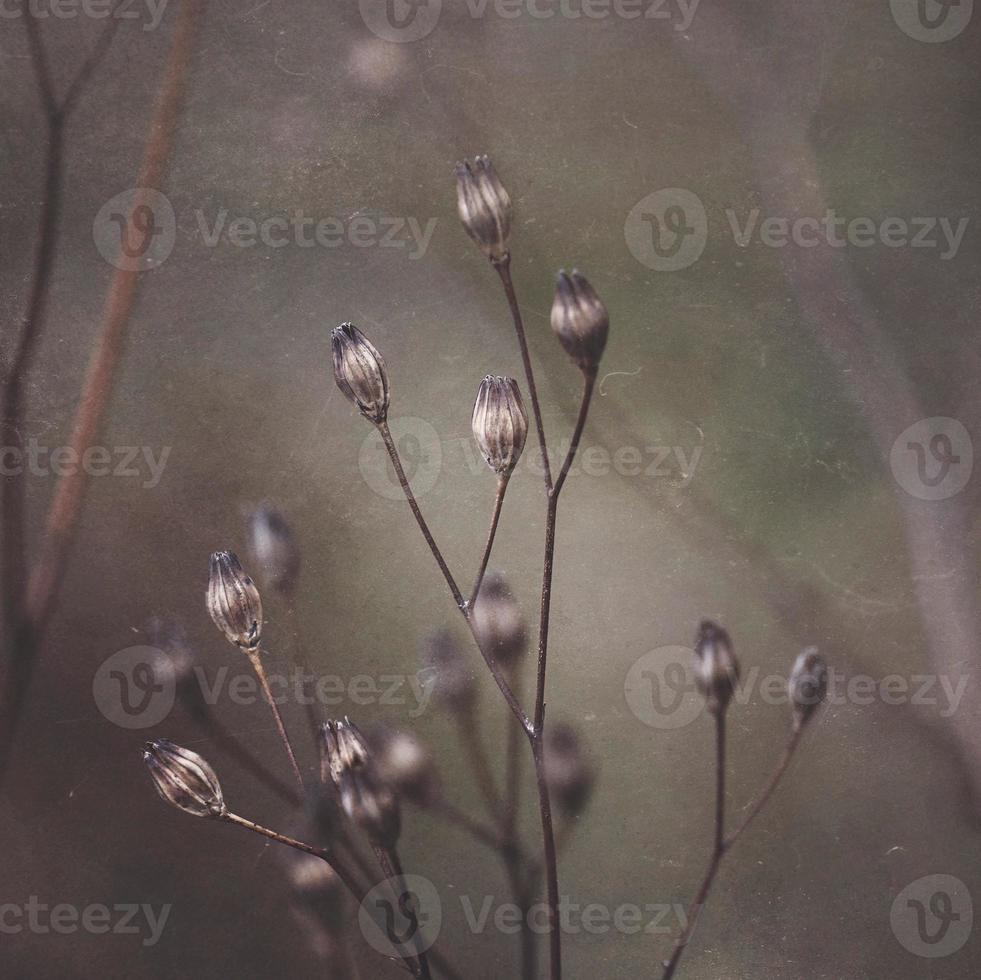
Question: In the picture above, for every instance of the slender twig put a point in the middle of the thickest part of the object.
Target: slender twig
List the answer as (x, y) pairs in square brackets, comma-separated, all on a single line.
[(27, 602), (461, 604), (767, 791), (66, 506), (388, 861), (255, 658), (545, 808), (718, 849), (393, 455), (504, 271), (333, 862), (502, 486), (325, 854)]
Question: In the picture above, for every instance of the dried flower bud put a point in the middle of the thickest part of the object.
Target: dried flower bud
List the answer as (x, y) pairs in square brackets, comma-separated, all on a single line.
[(360, 372), (568, 774), (808, 685), (499, 423), (484, 206), (184, 779), (498, 622), (274, 550), (406, 765), (716, 668), (368, 802), (233, 601), (453, 683), (580, 320)]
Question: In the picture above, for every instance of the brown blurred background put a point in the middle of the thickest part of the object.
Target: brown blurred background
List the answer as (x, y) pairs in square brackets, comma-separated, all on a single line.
[(790, 371)]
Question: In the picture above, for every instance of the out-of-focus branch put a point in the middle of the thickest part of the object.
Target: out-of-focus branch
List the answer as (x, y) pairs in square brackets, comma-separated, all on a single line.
[(27, 609)]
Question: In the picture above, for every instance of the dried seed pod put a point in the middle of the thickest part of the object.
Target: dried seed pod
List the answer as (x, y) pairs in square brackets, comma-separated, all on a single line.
[(716, 667), (580, 320), (497, 620), (367, 800), (184, 779), (485, 207), (274, 549), (499, 423), (453, 682), (406, 765), (233, 601), (568, 773), (808, 685), (360, 372)]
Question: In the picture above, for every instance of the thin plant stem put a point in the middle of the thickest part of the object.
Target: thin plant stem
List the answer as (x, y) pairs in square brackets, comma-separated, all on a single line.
[(461, 604), (723, 843), (502, 486), (718, 850), (63, 515), (388, 861), (544, 803), (255, 658), (589, 383), (767, 791), (29, 600), (393, 455), (325, 855), (551, 859), (332, 861), (504, 271)]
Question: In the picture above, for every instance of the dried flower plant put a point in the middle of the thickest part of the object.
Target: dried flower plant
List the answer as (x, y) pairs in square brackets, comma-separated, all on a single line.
[(364, 780)]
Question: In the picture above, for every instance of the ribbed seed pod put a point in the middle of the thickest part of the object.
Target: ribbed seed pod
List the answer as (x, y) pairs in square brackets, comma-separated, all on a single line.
[(484, 207), (233, 601), (499, 423), (184, 779), (360, 372), (580, 320)]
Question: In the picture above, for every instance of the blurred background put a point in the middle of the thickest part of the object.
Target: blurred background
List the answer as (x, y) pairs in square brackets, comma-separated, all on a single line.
[(749, 457)]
